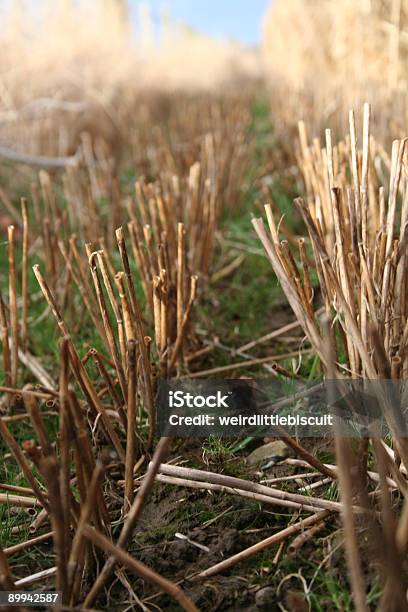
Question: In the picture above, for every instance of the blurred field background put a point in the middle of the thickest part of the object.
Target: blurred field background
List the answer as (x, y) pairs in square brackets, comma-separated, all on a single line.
[(325, 57), (70, 66), (135, 148)]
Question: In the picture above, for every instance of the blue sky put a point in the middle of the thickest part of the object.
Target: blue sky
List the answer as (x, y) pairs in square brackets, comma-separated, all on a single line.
[(236, 19)]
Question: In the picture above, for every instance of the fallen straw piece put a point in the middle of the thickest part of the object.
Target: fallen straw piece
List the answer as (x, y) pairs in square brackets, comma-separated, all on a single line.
[(305, 536), (245, 364), (11, 550), (270, 336), (37, 577), (20, 501), (16, 489), (191, 475), (210, 486), (256, 548), (290, 477), (315, 485), (35, 367), (181, 536), (45, 394), (373, 475)]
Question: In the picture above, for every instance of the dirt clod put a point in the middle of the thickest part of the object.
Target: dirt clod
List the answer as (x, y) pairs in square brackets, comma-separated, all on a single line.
[(265, 598)]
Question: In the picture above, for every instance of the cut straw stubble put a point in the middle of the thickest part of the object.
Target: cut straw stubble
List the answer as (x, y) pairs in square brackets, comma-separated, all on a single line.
[(24, 276), (77, 553), (77, 366), (137, 321), (49, 469), (82, 285), (92, 258), (178, 345), (131, 518), (344, 463), (13, 305), (66, 434), (5, 343), (6, 579), (139, 568), (180, 278), (131, 423)]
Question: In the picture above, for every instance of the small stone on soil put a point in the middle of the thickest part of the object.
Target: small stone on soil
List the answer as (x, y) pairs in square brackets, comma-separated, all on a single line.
[(269, 453)]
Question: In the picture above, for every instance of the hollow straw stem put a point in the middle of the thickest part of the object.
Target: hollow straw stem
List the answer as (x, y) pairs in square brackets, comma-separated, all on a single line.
[(302, 452), (352, 327), (44, 394), (84, 292), (138, 326), (306, 536), (106, 321), (65, 438), (343, 270), (5, 343), (364, 177), (396, 168), (354, 168), (76, 553), (31, 404), (131, 424), (128, 319), (84, 450), (186, 316), (13, 305), (395, 581), (19, 501), (343, 454), (163, 320), (291, 293), (180, 276), (49, 468), (24, 276), (103, 265), (110, 384)]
